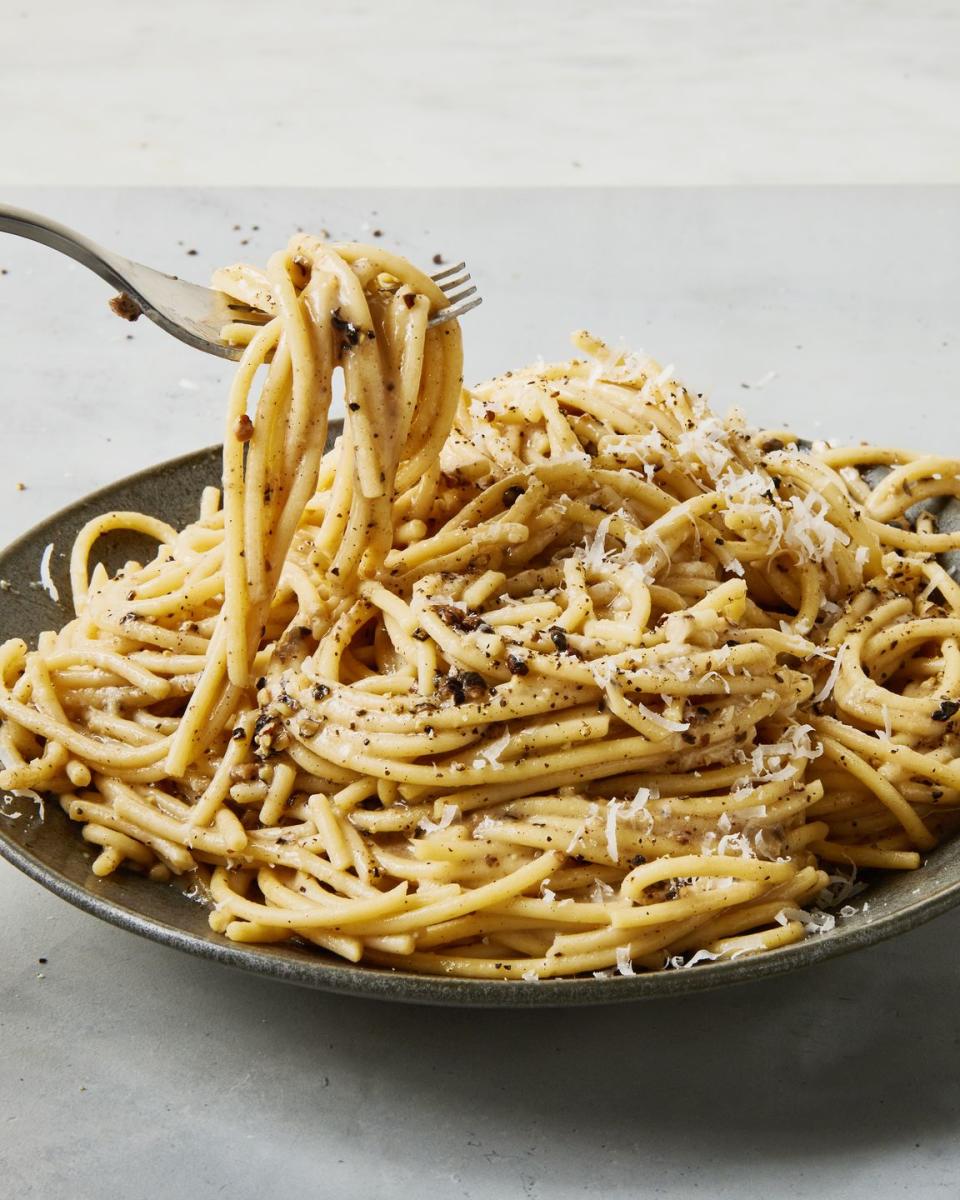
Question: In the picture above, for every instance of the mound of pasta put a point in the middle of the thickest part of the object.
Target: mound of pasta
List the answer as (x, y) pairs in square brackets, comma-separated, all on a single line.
[(564, 674)]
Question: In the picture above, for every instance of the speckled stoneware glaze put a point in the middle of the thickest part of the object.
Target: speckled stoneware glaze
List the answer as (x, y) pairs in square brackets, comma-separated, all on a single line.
[(52, 852)]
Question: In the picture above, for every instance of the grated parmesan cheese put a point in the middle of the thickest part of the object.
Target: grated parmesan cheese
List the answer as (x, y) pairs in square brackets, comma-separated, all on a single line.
[(492, 751), (613, 811), (601, 892), (624, 961), (451, 813), (814, 921), (828, 687), (642, 798), (708, 443), (808, 531), (46, 579), (596, 551), (484, 827), (699, 957), (582, 828), (735, 844), (659, 719)]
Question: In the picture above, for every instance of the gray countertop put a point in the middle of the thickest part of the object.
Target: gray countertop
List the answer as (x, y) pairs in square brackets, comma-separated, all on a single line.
[(130, 1070)]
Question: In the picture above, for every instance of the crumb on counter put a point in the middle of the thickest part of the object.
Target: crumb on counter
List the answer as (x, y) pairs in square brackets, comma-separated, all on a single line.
[(21, 486), (438, 259)]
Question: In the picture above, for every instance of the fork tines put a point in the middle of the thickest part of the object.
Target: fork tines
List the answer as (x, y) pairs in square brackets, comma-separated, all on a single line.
[(451, 282)]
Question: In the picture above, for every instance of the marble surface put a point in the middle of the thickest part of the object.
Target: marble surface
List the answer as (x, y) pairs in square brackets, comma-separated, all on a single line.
[(125, 1061), (425, 93)]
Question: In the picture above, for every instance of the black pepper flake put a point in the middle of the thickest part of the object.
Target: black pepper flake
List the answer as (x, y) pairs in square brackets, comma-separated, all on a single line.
[(320, 691), (474, 685), (946, 710), (238, 735), (351, 334), (559, 637), (464, 686), (409, 299), (456, 618), (517, 665)]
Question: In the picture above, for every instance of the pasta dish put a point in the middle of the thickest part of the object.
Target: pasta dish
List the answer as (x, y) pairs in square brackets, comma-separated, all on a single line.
[(560, 675)]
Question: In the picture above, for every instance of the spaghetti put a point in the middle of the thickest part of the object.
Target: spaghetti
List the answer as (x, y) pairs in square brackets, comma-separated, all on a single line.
[(560, 675)]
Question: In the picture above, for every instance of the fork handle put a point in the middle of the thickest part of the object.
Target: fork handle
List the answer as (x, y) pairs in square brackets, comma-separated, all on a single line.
[(23, 223)]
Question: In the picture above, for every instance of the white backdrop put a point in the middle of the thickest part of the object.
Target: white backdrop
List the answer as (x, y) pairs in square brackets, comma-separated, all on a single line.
[(503, 92)]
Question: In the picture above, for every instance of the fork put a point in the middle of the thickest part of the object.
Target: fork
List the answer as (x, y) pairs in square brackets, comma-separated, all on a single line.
[(192, 313)]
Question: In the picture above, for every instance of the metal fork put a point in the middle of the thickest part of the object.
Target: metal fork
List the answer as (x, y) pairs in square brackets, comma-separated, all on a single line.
[(191, 313)]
